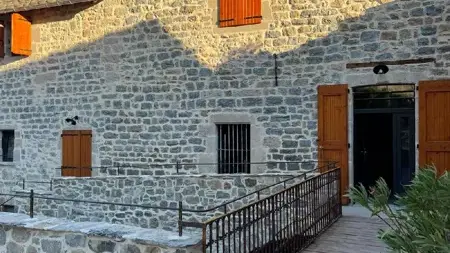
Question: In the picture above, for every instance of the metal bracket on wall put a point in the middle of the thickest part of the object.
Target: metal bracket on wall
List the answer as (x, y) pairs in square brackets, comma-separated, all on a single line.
[(399, 62), (275, 56)]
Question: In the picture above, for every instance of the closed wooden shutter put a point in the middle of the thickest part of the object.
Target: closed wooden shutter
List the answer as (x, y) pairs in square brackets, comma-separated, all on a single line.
[(239, 12), (332, 130), (85, 153), (252, 12), (434, 124), (76, 153), (20, 35), (2, 39)]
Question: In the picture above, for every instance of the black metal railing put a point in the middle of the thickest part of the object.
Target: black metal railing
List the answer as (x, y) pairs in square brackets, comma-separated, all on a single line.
[(187, 167), (287, 221), (264, 208), (25, 183)]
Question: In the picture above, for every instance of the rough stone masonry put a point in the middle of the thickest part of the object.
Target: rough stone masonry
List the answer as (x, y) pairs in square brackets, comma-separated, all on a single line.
[(152, 78), (18, 234), (195, 192)]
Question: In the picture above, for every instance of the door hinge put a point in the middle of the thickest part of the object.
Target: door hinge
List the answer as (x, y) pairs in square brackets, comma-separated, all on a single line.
[(348, 145), (348, 91), (417, 87), (417, 146)]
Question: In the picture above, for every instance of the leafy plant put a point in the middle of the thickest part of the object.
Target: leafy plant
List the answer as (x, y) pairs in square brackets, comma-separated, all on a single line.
[(420, 220)]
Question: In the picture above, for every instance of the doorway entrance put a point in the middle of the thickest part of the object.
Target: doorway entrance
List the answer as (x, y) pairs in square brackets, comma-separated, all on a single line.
[(384, 135)]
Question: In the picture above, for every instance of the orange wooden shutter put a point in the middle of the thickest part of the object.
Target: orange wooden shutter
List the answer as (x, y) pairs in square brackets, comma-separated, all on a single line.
[(227, 11), (434, 124), (332, 129), (20, 35), (70, 153), (76, 153), (85, 153), (2, 39), (252, 12), (239, 12)]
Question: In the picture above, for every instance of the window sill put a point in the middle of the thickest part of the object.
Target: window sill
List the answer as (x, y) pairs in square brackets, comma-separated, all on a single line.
[(8, 164)]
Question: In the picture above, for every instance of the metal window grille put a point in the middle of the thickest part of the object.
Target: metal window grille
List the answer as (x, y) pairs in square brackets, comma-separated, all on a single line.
[(7, 145), (233, 149)]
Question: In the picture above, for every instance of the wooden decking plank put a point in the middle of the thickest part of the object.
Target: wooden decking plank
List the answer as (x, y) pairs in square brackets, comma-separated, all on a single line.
[(351, 234)]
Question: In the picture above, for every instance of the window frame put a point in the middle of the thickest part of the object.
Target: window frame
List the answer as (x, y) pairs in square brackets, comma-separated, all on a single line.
[(236, 158), (233, 13), (9, 157)]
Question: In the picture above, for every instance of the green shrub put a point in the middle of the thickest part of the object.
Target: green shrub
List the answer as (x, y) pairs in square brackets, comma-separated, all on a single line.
[(420, 221)]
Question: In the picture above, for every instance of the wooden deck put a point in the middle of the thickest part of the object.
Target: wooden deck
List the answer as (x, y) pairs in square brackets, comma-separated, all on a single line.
[(355, 232)]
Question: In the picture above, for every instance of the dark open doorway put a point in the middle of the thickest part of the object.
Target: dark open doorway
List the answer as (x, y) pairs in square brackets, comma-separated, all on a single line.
[(384, 134)]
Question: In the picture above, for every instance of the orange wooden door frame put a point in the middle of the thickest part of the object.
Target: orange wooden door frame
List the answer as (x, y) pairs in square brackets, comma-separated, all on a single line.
[(333, 130), (434, 124)]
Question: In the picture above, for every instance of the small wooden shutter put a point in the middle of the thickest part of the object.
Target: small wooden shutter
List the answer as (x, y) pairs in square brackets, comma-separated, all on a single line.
[(434, 124), (85, 153), (239, 12), (20, 35), (76, 153), (252, 12), (2, 39), (332, 129)]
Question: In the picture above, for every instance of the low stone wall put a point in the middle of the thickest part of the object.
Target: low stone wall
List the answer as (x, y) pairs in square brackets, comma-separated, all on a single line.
[(20, 234), (196, 192)]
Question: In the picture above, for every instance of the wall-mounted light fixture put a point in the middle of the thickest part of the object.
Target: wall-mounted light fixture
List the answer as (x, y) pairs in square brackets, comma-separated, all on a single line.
[(380, 69), (72, 121)]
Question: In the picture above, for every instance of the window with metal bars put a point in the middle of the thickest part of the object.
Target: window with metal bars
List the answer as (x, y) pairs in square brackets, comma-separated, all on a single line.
[(233, 149), (7, 145)]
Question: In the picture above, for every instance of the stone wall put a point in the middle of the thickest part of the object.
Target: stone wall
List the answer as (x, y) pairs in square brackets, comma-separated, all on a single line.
[(18, 234), (200, 192), (152, 78)]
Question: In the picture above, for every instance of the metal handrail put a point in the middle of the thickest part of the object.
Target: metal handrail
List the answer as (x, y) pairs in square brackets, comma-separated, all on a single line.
[(24, 181), (2, 204), (257, 191), (179, 164), (180, 208), (92, 202), (278, 220)]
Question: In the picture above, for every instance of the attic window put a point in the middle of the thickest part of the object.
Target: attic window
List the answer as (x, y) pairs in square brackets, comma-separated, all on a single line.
[(239, 12), (15, 35)]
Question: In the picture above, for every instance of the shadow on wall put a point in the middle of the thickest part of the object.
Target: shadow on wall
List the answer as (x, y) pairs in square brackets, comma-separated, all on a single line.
[(59, 13), (132, 85), (145, 94)]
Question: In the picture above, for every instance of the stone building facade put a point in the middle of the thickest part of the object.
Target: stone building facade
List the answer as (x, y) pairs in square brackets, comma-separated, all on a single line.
[(151, 79)]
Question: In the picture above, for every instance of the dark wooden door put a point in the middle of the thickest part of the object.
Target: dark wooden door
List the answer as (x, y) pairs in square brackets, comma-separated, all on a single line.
[(434, 124), (333, 128), (76, 153)]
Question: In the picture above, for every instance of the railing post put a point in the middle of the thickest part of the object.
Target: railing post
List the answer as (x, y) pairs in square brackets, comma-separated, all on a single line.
[(180, 218), (339, 190), (51, 184), (273, 222), (23, 184), (258, 195), (204, 238), (225, 209), (178, 166), (31, 203)]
